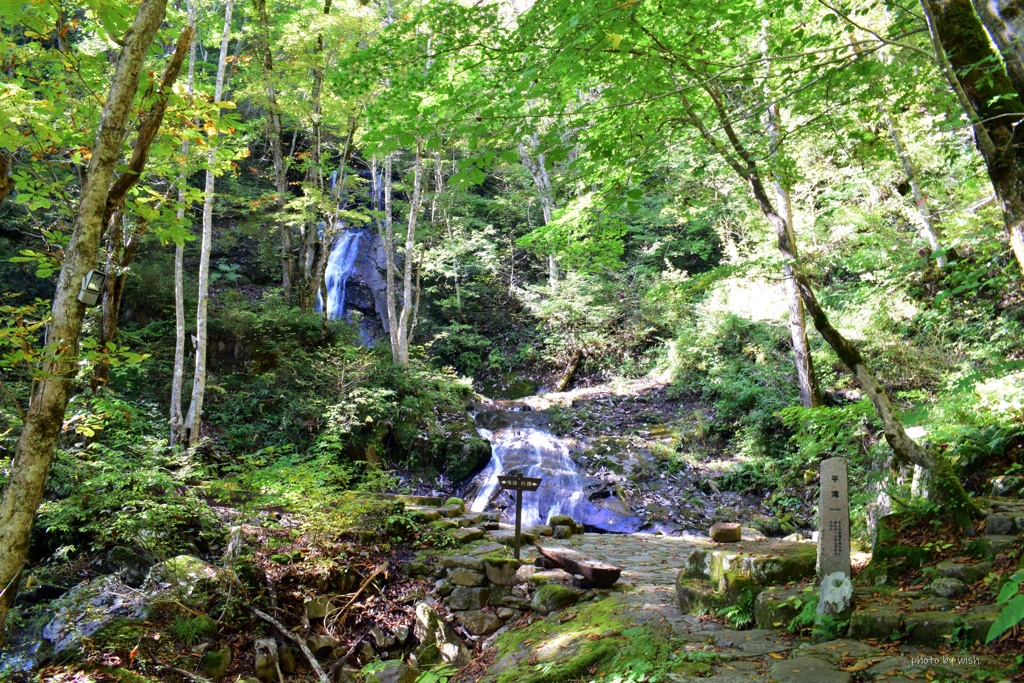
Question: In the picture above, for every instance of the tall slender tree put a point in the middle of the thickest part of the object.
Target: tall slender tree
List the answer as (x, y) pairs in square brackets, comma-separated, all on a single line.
[(31, 467), (193, 420)]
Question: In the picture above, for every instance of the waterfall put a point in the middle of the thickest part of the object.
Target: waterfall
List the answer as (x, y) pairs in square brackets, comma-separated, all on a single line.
[(339, 268), (522, 445)]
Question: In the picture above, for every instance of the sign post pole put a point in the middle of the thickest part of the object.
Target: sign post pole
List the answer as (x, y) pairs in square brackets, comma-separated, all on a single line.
[(519, 519), (519, 484)]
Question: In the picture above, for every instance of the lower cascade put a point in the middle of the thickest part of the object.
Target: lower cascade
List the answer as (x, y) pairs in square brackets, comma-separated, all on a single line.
[(522, 445)]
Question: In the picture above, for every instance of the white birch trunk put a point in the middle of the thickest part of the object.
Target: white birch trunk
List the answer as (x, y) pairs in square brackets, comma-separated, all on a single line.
[(177, 419), (193, 421)]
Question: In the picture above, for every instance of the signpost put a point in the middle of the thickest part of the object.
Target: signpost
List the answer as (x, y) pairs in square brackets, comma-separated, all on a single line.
[(518, 484)]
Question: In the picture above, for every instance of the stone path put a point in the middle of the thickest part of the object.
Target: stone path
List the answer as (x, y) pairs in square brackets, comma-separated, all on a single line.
[(650, 565)]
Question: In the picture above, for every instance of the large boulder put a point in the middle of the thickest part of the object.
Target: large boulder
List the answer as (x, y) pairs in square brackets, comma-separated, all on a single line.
[(85, 609)]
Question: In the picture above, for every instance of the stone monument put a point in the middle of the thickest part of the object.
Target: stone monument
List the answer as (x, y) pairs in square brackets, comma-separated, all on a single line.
[(834, 519)]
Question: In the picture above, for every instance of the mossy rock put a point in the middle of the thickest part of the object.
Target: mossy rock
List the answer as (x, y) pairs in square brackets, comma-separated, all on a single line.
[(766, 563), (695, 596), (216, 663), (552, 597), (775, 607), (875, 621)]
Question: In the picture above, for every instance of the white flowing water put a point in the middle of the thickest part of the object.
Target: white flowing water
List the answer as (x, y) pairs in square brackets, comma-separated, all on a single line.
[(528, 449), (339, 269)]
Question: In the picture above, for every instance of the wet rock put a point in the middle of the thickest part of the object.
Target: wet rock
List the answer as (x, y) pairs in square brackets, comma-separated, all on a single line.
[(835, 595), (475, 564), (394, 671), (266, 660), (466, 577), (479, 622), (501, 570), (552, 597), (438, 642), (216, 663), (467, 598), (947, 588), (724, 532)]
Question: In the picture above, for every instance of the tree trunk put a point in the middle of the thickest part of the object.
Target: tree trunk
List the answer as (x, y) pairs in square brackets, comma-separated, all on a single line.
[(389, 255), (6, 184), (121, 249), (177, 420), (193, 421), (810, 394), (408, 296), (928, 230), (1005, 24), (31, 467), (948, 490), (542, 181), (276, 146), (989, 98)]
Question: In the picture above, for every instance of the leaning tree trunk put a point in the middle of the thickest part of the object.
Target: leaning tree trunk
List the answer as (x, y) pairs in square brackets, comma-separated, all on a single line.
[(948, 490), (122, 248), (31, 467), (194, 420), (989, 98)]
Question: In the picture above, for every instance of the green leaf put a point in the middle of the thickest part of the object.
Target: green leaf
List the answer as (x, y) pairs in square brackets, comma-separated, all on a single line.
[(1011, 615)]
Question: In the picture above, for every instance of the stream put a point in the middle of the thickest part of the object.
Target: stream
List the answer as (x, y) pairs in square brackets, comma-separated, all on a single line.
[(521, 444)]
